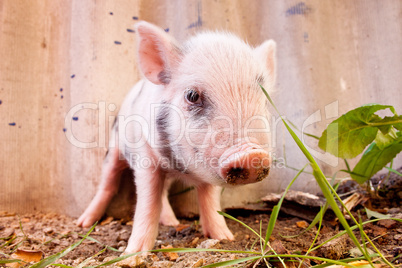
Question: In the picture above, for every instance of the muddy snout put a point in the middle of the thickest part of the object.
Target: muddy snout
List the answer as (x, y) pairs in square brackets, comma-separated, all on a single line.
[(244, 164)]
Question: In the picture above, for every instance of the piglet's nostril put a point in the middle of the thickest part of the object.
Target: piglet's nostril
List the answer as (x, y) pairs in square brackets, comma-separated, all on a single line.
[(235, 174)]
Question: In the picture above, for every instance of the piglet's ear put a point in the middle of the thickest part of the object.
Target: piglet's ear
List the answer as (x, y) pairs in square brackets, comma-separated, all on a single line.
[(267, 52), (158, 53)]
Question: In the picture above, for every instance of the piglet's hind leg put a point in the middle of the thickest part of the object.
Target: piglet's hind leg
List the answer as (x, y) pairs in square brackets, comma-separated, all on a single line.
[(110, 181)]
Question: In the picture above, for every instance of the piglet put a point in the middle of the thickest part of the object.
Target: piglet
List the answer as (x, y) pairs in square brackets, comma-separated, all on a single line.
[(199, 116)]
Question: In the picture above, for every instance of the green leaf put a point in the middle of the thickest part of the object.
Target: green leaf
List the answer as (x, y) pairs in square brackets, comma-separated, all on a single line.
[(375, 214), (383, 140), (374, 159), (347, 136), (388, 121)]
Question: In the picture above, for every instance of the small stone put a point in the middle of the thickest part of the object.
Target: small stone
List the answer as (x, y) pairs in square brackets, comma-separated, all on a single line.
[(186, 231), (106, 221), (195, 241), (123, 236), (355, 252), (151, 257), (162, 264), (56, 241), (394, 210), (398, 237), (158, 243), (136, 261), (48, 230), (278, 247), (198, 263), (172, 256), (302, 224), (379, 231), (122, 243), (74, 235), (389, 224), (110, 258), (181, 227), (7, 232), (210, 243), (64, 243)]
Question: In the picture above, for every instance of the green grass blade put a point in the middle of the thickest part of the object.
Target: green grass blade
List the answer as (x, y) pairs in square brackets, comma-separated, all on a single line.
[(344, 260), (11, 240), (326, 188), (270, 228), (394, 171), (18, 245), (271, 224), (187, 250), (311, 135), (177, 250), (321, 217), (49, 260), (62, 265), (239, 221), (303, 133), (10, 261), (231, 262), (275, 210), (98, 242), (82, 264), (317, 217), (362, 235), (347, 165), (344, 232), (339, 262), (261, 246), (117, 259), (397, 257)]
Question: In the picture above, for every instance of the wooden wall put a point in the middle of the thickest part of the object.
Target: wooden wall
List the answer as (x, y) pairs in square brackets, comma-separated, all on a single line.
[(65, 67)]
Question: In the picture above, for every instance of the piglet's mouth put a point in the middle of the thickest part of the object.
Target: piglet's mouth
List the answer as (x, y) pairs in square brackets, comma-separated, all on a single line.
[(244, 164)]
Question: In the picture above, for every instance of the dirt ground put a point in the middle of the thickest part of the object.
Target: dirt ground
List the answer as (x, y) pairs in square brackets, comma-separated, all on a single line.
[(51, 233), (32, 237)]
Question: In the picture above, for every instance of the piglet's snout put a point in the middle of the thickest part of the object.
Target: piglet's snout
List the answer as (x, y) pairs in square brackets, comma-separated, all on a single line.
[(244, 164)]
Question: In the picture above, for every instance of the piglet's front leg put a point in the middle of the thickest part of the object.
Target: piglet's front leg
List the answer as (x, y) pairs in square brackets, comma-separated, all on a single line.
[(213, 224), (149, 185)]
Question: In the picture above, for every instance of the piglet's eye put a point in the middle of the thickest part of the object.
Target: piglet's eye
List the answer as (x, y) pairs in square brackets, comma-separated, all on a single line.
[(192, 96)]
